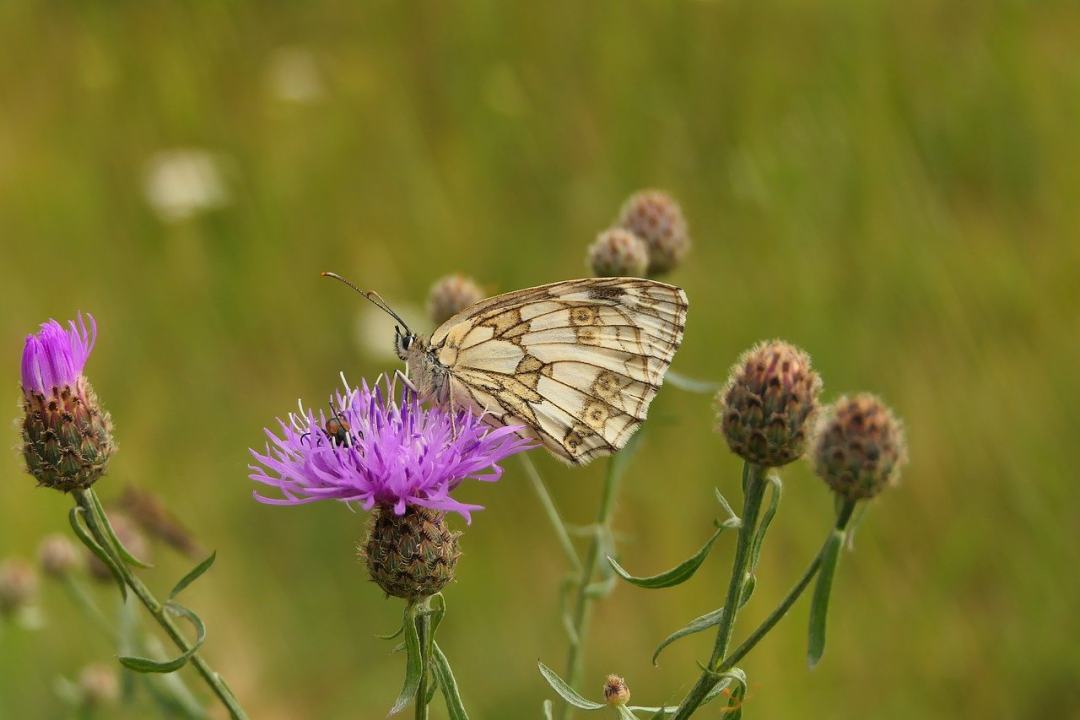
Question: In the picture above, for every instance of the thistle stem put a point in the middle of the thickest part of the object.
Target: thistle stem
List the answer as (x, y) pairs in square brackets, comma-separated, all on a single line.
[(157, 609), (754, 491), (776, 615), (423, 629), (583, 600), (552, 512)]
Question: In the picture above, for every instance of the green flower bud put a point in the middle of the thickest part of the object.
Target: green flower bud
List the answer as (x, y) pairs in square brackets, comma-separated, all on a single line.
[(618, 253), (765, 409), (657, 219), (410, 556), (450, 295), (67, 437), (859, 447)]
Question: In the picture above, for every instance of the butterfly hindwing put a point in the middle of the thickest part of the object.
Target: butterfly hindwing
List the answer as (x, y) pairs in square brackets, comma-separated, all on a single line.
[(576, 362)]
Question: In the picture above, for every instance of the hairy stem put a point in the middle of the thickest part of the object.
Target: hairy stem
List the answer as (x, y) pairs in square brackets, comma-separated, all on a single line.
[(754, 489), (157, 609), (583, 601)]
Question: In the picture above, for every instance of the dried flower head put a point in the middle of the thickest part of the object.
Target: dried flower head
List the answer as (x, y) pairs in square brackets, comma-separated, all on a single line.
[(67, 437), (770, 397), (450, 295), (58, 556), (99, 685), (394, 453), (618, 252), (615, 691), (657, 219), (18, 585), (127, 531), (410, 556), (150, 513), (859, 447)]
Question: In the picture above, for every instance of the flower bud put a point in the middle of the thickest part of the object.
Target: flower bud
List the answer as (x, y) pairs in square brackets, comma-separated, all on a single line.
[(615, 691), (859, 447), (450, 295), (99, 685), (410, 556), (129, 535), (67, 436), (657, 219), (151, 515), (618, 253), (58, 556), (770, 398), (18, 585)]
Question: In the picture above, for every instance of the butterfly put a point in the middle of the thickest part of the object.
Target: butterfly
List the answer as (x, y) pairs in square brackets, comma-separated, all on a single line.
[(575, 363)]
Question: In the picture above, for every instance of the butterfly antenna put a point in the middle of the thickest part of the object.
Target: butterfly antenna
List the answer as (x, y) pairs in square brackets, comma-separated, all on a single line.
[(374, 297)]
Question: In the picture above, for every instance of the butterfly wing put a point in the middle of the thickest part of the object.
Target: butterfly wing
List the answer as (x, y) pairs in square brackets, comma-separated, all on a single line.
[(576, 362)]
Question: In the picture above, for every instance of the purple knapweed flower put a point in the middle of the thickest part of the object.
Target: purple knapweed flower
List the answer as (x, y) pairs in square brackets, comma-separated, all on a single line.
[(67, 437), (380, 451)]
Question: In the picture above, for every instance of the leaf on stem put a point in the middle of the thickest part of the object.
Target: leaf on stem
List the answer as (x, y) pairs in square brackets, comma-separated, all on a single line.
[(548, 710), (414, 661), (704, 622), (733, 520), (100, 553), (766, 520), (566, 692), (626, 713), (147, 665), (819, 604), (703, 387), (194, 575), (454, 707), (107, 528), (734, 675), (675, 576)]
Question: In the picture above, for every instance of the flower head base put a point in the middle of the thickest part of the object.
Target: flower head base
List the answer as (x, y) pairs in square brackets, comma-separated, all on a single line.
[(410, 556), (616, 691), (382, 451), (618, 253), (67, 436), (859, 448), (767, 404), (656, 218), (450, 295)]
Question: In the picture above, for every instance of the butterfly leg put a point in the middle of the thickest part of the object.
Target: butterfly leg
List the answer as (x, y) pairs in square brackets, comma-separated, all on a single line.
[(398, 375)]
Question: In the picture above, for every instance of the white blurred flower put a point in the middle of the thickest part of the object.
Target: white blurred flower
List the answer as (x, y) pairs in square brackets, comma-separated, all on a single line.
[(375, 329), (293, 76), (183, 182)]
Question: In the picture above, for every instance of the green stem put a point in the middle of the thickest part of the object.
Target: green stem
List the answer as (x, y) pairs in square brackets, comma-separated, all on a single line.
[(423, 629), (754, 489), (583, 600), (82, 599), (552, 512), (762, 630), (86, 501)]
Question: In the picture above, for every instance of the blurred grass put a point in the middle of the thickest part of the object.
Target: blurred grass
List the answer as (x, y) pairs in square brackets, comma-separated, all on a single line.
[(892, 187)]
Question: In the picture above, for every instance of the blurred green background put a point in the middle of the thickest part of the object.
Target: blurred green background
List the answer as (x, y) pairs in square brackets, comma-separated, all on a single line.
[(892, 186)]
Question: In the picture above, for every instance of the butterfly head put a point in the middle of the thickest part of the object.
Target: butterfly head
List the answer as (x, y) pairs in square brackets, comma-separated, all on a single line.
[(406, 343)]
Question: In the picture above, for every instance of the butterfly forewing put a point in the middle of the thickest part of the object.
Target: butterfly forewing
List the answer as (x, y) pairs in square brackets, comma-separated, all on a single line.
[(576, 362)]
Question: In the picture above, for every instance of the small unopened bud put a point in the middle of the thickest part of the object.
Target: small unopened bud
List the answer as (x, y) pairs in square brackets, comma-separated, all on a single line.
[(67, 436), (859, 448), (58, 556), (615, 691), (129, 535), (450, 295), (657, 219), (410, 556), (99, 685), (18, 585), (770, 398), (618, 253)]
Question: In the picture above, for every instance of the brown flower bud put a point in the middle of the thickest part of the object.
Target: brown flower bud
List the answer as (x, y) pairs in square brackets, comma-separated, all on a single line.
[(657, 219), (618, 253), (859, 447), (450, 295), (58, 555), (615, 691)]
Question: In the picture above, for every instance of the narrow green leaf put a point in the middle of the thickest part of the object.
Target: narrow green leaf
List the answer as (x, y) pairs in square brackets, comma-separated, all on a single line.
[(548, 710), (766, 519), (147, 665), (99, 552), (678, 574), (437, 610), (734, 675), (414, 662), (103, 522), (731, 516), (819, 604), (566, 692), (626, 713), (704, 622), (659, 712), (747, 590), (194, 575), (735, 703), (392, 635), (454, 707), (702, 387)]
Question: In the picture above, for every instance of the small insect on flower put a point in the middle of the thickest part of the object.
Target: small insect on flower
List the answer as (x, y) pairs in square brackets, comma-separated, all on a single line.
[(573, 364)]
